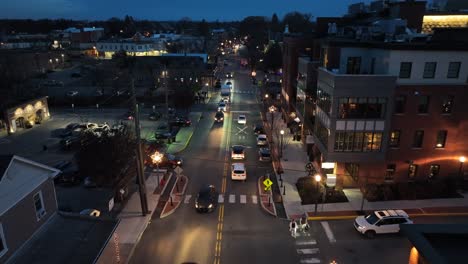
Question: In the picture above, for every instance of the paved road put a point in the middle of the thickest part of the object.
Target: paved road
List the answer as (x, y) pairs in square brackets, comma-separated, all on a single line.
[(238, 231)]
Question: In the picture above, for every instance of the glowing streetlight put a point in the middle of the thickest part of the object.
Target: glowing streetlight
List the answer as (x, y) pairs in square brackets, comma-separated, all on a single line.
[(462, 160), (157, 158), (281, 144), (317, 179), (254, 73)]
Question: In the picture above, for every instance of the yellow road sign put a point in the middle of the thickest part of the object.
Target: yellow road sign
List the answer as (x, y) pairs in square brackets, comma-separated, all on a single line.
[(267, 182)]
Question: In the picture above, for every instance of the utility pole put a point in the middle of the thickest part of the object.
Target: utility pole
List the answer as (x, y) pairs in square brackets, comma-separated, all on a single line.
[(139, 154)]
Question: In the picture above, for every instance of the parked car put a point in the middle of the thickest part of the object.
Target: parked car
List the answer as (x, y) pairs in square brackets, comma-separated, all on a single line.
[(264, 154), (66, 133), (219, 117), (262, 140), (155, 116), (237, 152), (72, 93), (258, 129), (242, 120), (171, 161), (381, 222), (207, 199), (180, 122), (222, 107), (238, 172)]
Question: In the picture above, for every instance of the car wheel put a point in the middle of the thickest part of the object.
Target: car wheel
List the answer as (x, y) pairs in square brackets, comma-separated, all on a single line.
[(370, 234)]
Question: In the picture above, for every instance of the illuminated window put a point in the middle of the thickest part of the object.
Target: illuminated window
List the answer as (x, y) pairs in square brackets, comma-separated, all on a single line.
[(412, 171), (453, 69), (447, 104), (441, 138), (429, 70), (434, 171), (395, 138)]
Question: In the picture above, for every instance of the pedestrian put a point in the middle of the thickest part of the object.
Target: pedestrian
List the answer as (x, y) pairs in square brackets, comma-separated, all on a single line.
[(293, 228)]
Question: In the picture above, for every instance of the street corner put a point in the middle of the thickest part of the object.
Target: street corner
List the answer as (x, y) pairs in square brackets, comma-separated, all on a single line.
[(176, 196), (266, 197)]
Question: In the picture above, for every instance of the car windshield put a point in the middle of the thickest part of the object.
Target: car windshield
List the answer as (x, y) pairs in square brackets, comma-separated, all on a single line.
[(238, 150), (265, 153), (238, 171), (241, 117), (261, 138), (372, 218)]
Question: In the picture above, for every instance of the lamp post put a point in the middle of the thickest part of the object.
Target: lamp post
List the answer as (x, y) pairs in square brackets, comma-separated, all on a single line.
[(157, 158), (317, 178), (281, 145), (462, 160), (272, 114)]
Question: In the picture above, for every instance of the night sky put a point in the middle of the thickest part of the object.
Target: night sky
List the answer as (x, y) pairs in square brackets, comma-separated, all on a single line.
[(210, 10)]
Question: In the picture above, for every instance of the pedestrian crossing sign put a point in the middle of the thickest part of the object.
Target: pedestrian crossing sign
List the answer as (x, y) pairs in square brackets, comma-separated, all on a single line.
[(267, 184)]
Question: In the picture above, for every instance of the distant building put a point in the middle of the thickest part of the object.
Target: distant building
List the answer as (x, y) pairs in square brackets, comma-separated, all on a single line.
[(27, 201), (135, 46), (27, 115)]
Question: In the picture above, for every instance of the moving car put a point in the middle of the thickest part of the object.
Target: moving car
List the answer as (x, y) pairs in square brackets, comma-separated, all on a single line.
[(207, 199), (238, 172), (219, 117), (237, 152), (264, 154), (262, 140), (381, 222), (222, 107), (258, 129), (242, 120)]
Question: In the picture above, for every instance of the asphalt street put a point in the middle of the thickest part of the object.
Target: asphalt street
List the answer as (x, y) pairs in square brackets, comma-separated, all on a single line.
[(238, 230)]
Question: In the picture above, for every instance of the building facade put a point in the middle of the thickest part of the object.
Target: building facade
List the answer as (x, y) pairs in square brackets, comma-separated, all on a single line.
[(27, 115)]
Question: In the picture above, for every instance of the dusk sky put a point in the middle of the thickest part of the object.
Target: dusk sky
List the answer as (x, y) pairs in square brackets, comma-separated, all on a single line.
[(169, 10)]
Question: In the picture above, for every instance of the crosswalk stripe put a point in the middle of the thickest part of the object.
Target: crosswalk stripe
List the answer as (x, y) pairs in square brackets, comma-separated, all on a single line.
[(232, 198), (304, 243), (328, 231), (221, 198), (310, 260), (187, 198), (243, 199), (307, 251), (254, 199)]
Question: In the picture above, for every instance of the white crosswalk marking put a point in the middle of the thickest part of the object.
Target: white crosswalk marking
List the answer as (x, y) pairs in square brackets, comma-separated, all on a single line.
[(254, 199), (328, 231), (304, 243), (232, 198), (310, 260), (243, 199), (221, 198), (307, 251), (187, 198)]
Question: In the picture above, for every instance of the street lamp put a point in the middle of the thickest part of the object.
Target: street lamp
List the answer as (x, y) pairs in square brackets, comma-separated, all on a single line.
[(254, 73), (157, 158), (272, 113), (317, 178), (281, 145), (462, 160)]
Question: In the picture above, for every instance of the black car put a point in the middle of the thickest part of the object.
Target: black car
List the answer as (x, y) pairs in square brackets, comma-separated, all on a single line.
[(264, 154), (180, 122), (219, 117), (155, 116), (207, 199), (258, 129)]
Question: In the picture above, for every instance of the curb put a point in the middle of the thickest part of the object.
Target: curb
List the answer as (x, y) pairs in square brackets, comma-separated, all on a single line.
[(347, 217), (177, 201), (261, 198), (190, 136), (169, 177)]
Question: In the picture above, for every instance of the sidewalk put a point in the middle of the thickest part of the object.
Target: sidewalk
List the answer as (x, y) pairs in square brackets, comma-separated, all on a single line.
[(292, 165)]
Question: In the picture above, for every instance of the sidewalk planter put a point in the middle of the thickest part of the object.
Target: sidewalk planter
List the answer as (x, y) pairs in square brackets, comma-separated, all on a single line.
[(177, 197), (266, 198)]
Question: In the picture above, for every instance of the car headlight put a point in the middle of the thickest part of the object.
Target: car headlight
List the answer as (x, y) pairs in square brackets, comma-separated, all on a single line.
[(196, 205), (360, 227), (179, 162), (210, 206), (221, 118)]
